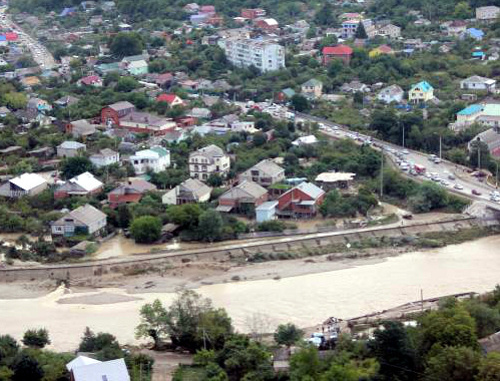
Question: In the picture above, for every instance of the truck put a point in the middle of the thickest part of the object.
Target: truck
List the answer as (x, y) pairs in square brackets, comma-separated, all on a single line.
[(420, 169)]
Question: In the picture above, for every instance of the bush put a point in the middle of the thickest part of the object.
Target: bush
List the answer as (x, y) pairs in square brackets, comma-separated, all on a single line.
[(36, 338), (146, 229)]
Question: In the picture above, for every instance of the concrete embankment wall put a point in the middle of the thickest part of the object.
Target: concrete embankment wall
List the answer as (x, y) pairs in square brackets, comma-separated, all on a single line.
[(141, 262)]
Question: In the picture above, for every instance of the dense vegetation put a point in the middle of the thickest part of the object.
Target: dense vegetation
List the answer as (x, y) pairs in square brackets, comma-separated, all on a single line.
[(442, 346)]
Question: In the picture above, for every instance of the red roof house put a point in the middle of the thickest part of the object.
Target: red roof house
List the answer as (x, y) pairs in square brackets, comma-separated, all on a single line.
[(302, 201), (207, 9), (130, 192), (342, 52), (171, 99), (11, 36), (91, 80)]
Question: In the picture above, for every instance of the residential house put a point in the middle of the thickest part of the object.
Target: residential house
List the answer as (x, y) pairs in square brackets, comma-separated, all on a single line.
[(349, 28), (105, 157), (285, 95), (467, 116), (266, 211), (382, 49), (487, 13), (301, 201), (335, 180), (243, 198), (421, 92), (80, 128), (129, 192), (38, 105), (70, 149), (139, 67), (456, 28), (312, 88), (393, 93), (85, 220), (171, 99), (305, 140), (264, 173), (67, 100), (478, 83), (110, 115), (27, 184), (143, 122), (390, 31), (81, 185), (355, 86), (200, 113), (491, 138), (474, 33), (210, 160), (342, 52), (253, 13), (155, 159), (91, 80), (189, 191), (267, 24)]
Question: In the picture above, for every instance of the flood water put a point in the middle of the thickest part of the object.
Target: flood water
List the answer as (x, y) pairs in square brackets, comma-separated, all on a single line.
[(305, 300)]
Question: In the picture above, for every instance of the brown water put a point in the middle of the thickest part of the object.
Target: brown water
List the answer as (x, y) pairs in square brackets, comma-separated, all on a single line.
[(305, 300)]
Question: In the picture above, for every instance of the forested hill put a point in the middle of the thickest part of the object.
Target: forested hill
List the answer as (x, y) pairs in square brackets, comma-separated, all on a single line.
[(434, 9)]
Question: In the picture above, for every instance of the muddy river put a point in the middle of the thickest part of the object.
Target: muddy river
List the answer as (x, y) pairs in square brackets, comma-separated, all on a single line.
[(305, 300)]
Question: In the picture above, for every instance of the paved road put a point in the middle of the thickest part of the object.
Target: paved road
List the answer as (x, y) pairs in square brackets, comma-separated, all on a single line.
[(449, 175), (40, 54)]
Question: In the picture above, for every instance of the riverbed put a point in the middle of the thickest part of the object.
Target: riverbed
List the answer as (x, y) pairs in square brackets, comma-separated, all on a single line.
[(349, 291)]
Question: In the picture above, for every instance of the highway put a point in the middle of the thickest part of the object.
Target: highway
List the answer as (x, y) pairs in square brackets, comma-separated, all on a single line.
[(40, 54), (447, 174)]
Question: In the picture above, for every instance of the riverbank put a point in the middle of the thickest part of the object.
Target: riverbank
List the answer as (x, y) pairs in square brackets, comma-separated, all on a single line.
[(298, 291)]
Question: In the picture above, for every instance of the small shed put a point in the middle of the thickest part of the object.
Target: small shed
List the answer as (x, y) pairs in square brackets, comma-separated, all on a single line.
[(266, 211)]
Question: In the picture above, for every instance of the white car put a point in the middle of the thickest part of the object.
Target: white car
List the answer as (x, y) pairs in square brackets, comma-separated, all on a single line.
[(458, 187)]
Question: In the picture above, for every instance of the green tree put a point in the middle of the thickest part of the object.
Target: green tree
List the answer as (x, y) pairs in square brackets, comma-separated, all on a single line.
[(15, 100), (74, 166), (462, 10), (210, 226), (26, 367), (393, 349), (146, 229), (300, 103), (126, 44), (452, 363), (8, 348), (361, 32), (191, 322), (489, 368), (288, 334), (153, 322), (126, 84), (324, 15), (6, 374), (305, 364), (452, 326), (36, 338)]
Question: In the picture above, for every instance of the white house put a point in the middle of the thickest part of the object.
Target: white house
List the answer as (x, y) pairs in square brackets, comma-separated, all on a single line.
[(266, 211), (88, 369), (488, 13), (478, 83), (189, 191), (207, 161), (155, 159), (393, 93), (27, 184), (105, 157), (305, 140)]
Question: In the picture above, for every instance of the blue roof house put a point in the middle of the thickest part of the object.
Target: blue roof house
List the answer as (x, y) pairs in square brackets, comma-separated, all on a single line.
[(474, 33), (469, 114), (67, 12)]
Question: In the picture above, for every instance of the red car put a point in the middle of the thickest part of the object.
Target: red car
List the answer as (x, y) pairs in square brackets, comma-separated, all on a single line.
[(476, 192)]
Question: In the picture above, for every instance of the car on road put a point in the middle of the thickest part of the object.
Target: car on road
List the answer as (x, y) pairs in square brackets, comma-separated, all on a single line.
[(458, 187), (451, 176), (437, 160), (475, 192), (406, 152)]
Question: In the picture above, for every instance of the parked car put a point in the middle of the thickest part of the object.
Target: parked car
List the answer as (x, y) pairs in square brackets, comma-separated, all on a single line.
[(475, 192)]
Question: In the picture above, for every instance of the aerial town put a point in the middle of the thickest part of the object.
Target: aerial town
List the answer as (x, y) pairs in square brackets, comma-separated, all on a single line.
[(249, 190)]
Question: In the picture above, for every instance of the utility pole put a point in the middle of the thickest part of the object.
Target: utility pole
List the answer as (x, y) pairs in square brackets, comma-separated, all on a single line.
[(403, 134), (440, 146), (382, 174), (496, 182), (478, 156)]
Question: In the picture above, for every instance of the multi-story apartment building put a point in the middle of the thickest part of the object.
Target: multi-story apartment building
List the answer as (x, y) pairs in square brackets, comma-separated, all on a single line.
[(488, 13), (265, 56), (207, 161)]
